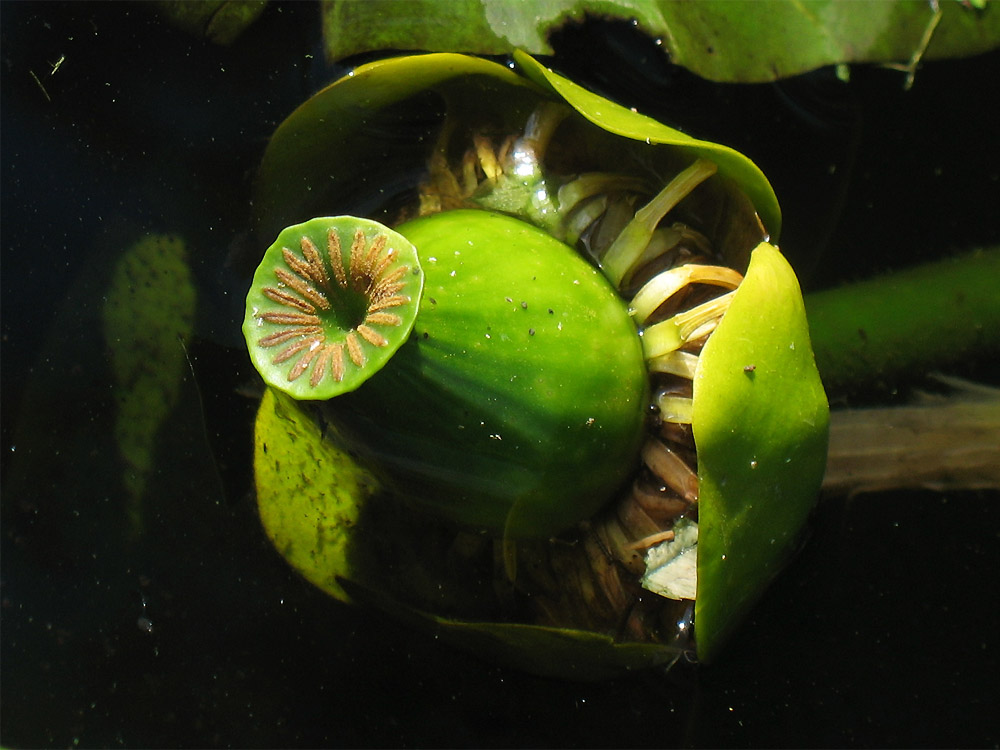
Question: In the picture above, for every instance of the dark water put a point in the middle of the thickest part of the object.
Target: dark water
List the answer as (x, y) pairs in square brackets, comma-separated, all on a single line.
[(882, 632)]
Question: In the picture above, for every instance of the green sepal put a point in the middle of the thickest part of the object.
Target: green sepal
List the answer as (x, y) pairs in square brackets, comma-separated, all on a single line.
[(310, 493), (363, 143), (622, 121), (558, 653), (761, 423), (325, 154)]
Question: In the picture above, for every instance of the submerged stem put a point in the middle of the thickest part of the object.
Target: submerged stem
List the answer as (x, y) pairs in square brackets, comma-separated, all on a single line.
[(912, 320), (939, 443)]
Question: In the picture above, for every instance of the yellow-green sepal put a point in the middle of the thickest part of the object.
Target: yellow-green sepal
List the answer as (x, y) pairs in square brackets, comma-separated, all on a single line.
[(761, 424), (310, 492)]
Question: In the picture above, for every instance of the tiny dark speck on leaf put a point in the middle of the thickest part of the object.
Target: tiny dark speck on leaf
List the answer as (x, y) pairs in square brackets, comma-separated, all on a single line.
[(524, 305), (749, 368), (531, 331), (862, 334)]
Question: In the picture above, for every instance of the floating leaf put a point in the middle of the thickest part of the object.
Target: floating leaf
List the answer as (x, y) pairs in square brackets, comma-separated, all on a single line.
[(720, 40)]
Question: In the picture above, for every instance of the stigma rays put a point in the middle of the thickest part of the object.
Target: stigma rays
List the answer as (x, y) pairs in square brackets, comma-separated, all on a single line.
[(316, 324)]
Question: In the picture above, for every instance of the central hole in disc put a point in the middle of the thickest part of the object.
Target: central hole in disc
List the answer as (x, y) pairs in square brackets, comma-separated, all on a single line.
[(348, 309)]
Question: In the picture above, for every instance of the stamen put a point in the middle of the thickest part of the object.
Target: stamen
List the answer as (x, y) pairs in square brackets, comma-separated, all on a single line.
[(666, 284), (671, 469), (675, 408), (674, 332), (586, 186), (487, 157), (635, 237), (335, 254), (284, 298), (582, 218), (652, 540), (683, 364)]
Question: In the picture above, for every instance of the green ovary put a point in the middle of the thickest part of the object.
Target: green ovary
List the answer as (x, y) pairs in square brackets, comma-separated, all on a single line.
[(517, 402)]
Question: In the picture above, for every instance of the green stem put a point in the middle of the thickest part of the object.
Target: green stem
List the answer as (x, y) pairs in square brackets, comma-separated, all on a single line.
[(913, 320)]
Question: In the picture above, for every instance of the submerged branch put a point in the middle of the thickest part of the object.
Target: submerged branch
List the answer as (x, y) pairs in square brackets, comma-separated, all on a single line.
[(942, 442)]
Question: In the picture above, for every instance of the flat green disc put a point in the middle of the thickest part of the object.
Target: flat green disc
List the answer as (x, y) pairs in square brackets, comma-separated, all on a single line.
[(331, 301)]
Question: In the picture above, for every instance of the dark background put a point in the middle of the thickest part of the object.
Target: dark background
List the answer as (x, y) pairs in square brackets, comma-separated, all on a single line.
[(883, 631)]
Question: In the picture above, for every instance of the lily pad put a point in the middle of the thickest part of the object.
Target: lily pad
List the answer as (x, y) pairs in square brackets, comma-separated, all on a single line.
[(720, 40)]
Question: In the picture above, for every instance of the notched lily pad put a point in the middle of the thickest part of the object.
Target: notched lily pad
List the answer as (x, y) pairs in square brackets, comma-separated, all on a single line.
[(724, 41)]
